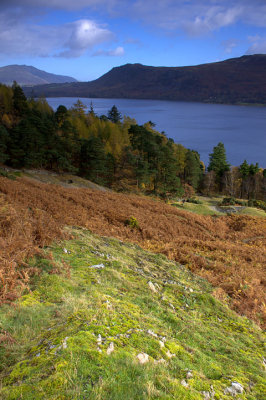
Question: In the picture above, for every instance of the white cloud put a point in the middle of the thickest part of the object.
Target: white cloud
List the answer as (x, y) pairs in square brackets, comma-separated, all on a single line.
[(118, 52), (258, 45), (85, 34), (68, 40)]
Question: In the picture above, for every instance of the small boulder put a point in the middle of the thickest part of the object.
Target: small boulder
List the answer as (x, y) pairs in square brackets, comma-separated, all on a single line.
[(189, 375), (184, 383), (98, 266), (143, 358), (234, 389), (150, 332), (169, 354), (110, 348), (152, 287)]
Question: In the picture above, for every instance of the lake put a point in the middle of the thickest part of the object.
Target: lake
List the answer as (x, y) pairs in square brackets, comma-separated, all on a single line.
[(196, 126)]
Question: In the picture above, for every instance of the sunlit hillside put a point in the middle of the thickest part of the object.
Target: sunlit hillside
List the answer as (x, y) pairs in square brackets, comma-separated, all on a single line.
[(227, 250)]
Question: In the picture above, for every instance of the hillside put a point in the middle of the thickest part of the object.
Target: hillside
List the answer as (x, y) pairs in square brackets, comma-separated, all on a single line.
[(227, 250), (26, 75), (238, 80), (106, 320)]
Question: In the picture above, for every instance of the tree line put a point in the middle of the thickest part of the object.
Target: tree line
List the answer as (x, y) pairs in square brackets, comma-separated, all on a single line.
[(112, 151)]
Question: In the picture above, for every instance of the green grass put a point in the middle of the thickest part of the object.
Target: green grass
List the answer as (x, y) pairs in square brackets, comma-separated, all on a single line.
[(54, 353), (208, 207)]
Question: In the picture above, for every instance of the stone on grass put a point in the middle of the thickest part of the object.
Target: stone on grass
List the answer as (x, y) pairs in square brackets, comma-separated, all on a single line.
[(152, 287), (184, 383), (143, 358), (150, 332), (234, 389), (98, 266), (99, 340), (169, 354), (64, 345), (110, 348), (189, 375)]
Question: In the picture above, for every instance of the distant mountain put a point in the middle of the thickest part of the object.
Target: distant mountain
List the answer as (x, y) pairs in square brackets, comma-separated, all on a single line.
[(26, 75), (237, 80)]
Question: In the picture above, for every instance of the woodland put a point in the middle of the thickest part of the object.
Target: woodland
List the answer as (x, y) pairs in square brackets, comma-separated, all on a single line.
[(115, 151)]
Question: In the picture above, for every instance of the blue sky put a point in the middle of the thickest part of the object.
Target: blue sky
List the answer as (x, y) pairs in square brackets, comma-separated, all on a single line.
[(86, 38)]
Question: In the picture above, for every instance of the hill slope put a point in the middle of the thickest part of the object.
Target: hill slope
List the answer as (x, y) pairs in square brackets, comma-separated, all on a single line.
[(26, 75), (238, 80), (228, 250), (106, 320)]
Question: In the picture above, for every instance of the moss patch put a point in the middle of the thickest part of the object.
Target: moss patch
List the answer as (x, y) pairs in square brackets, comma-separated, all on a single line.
[(78, 336)]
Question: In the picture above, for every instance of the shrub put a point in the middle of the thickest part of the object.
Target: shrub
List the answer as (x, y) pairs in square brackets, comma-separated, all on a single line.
[(228, 201), (194, 200), (257, 203), (132, 222)]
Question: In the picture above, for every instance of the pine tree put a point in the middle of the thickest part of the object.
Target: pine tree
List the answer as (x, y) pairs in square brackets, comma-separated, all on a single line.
[(114, 115), (19, 100), (218, 163), (192, 171)]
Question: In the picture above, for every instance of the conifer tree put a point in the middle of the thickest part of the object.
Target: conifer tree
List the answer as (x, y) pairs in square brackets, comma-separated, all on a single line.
[(114, 115), (218, 163)]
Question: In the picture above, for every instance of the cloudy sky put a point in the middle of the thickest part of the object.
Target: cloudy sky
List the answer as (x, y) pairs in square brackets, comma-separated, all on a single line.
[(86, 38)]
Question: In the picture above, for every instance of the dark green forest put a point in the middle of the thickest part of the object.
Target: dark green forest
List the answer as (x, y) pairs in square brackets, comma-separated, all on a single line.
[(114, 151)]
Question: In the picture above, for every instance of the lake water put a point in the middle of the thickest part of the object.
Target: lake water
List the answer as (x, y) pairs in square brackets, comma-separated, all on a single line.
[(197, 126)]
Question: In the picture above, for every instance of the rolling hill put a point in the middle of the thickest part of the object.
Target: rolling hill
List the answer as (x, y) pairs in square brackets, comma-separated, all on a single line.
[(237, 80), (26, 75)]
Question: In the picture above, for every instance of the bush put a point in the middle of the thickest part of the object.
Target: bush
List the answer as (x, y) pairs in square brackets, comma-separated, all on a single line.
[(228, 201), (132, 222), (257, 203), (194, 200)]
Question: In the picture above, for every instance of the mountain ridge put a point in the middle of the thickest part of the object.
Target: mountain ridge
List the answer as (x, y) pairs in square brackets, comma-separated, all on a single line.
[(236, 80), (27, 75)]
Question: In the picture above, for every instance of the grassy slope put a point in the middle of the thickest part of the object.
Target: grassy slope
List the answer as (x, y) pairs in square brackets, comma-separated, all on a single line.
[(49, 344), (227, 250)]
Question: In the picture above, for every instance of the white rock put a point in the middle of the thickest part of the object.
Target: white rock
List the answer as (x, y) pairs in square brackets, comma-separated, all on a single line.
[(152, 287), (234, 389), (238, 387), (98, 266), (110, 348), (64, 345), (184, 383), (150, 332), (189, 375), (169, 354), (99, 340), (143, 358)]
